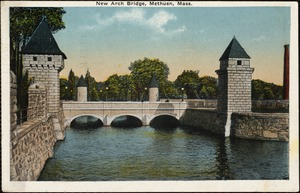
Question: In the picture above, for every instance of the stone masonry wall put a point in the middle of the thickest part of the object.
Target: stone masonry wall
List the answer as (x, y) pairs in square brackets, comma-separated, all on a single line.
[(153, 94), (32, 142), (30, 149), (234, 85), (239, 90), (261, 126), (13, 104), (46, 72), (209, 120)]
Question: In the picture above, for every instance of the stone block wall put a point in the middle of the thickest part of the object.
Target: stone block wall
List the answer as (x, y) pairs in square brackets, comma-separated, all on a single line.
[(239, 90), (210, 120), (37, 101), (32, 142), (46, 72), (81, 94), (261, 126), (153, 94), (30, 148), (234, 85), (13, 104), (258, 126)]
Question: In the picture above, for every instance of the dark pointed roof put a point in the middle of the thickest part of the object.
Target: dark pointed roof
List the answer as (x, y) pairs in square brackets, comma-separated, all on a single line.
[(42, 42), (234, 50), (153, 83), (81, 82)]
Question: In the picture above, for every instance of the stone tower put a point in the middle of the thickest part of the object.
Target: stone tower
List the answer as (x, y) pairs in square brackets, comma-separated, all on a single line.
[(153, 90), (234, 79), (81, 90), (44, 60)]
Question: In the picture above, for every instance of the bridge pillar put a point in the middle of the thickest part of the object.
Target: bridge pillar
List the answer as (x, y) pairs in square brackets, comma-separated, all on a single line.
[(107, 120), (145, 120)]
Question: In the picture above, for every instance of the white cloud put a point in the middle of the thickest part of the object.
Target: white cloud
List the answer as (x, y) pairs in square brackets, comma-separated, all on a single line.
[(157, 22), (258, 39)]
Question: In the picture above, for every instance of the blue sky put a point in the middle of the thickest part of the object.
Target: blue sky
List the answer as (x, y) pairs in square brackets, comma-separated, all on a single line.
[(106, 40)]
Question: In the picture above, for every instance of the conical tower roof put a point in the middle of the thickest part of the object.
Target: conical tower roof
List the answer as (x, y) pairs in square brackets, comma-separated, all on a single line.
[(81, 82), (153, 83), (42, 42), (234, 50)]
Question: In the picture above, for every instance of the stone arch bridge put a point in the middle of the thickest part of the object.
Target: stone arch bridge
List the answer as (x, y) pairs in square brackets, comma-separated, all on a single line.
[(108, 111)]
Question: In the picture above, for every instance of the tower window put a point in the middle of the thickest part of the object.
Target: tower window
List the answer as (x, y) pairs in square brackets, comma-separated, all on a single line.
[(34, 58), (49, 59), (239, 62)]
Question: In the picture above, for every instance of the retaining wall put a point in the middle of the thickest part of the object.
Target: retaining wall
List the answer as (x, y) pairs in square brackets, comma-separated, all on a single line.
[(212, 103), (262, 126), (205, 119), (30, 149), (259, 126), (32, 142)]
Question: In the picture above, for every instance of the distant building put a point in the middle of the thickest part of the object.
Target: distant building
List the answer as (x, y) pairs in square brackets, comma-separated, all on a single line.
[(153, 89), (81, 89)]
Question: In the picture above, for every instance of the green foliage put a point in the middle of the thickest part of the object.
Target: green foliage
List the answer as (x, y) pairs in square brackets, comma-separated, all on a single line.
[(119, 87), (266, 91), (207, 87), (23, 21), (188, 80), (63, 89), (170, 90), (92, 89), (71, 87), (142, 71)]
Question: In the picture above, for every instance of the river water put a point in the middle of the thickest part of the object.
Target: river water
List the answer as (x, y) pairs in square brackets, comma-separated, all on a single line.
[(145, 153)]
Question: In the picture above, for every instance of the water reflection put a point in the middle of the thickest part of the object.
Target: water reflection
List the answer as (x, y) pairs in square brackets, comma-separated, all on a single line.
[(223, 169), (145, 153)]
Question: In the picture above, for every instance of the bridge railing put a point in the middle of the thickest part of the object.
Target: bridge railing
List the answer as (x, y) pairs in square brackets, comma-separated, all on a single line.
[(202, 103), (123, 105)]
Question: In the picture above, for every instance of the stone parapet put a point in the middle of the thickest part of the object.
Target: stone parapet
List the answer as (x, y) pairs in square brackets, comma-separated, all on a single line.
[(30, 148), (258, 126), (13, 104), (261, 126), (205, 119)]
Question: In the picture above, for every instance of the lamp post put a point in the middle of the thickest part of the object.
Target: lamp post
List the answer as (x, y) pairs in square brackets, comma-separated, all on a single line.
[(145, 93), (106, 88), (182, 90), (66, 95), (129, 97)]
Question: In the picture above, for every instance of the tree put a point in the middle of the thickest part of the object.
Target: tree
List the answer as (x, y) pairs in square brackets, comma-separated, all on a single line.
[(92, 89), (63, 89), (23, 21), (207, 87), (142, 71), (265, 91), (119, 87), (188, 80), (71, 87)]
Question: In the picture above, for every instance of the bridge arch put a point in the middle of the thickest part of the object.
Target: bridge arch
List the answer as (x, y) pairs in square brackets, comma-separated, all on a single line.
[(69, 121), (162, 114), (112, 118), (157, 121)]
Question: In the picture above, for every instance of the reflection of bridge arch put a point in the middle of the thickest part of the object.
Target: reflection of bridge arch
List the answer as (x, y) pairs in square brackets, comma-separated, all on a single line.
[(69, 121)]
